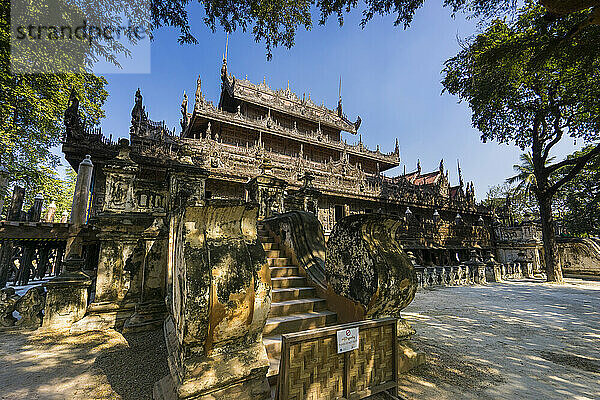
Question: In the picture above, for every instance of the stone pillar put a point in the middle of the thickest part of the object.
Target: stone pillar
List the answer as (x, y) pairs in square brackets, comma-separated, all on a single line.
[(67, 297), (221, 300), (267, 191), (16, 204), (493, 271), (3, 186), (82, 192), (36, 209), (477, 268)]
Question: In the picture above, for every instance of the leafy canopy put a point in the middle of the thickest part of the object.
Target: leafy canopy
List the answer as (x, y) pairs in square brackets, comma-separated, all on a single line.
[(581, 198), (31, 116), (276, 21), (530, 76)]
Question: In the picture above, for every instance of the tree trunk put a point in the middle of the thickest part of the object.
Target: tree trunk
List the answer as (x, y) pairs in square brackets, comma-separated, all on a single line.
[(553, 267)]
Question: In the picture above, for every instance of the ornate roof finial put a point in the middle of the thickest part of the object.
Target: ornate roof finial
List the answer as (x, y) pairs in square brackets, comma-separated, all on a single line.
[(339, 107), (184, 114), (198, 90), (460, 178), (397, 148), (442, 166), (419, 166), (226, 48)]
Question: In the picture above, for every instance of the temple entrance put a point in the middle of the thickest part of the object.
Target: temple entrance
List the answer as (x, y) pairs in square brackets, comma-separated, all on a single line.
[(339, 212)]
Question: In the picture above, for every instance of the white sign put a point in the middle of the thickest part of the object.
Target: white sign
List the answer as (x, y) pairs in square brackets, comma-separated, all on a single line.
[(347, 340)]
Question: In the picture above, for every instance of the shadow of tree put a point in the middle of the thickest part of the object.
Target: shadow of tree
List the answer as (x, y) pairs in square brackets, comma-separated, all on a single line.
[(520, 339), (133, 370)]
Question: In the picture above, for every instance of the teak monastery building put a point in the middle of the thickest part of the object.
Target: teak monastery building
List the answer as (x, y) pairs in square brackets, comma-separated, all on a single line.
[(286, 152)]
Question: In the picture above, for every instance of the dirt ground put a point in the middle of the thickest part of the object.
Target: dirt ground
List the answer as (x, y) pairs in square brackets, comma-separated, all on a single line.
[(98, 365), (518, 340)]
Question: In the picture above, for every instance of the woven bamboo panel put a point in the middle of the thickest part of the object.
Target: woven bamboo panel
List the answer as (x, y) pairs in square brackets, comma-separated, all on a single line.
[(373, 363), (316, 371)]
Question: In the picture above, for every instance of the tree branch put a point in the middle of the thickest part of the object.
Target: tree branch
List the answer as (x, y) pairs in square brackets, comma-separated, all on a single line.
[(549, 146), (578, 164)]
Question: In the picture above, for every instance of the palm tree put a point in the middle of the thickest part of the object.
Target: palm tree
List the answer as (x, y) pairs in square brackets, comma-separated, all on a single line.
[(525, 176)]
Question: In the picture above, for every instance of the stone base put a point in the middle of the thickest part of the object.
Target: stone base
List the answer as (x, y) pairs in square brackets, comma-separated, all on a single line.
[(148, 316), (66, 300), (220, 376), (104, 315), (251, 389), (408, 356)]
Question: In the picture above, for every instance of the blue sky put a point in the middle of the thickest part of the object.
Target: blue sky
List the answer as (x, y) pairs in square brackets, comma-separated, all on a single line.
[(390, 77)]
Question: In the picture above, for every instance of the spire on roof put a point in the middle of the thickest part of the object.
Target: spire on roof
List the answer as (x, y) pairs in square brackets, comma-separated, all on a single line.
[(339, 107), (397, 148), (442, 166), (460, 178), (419, 166)]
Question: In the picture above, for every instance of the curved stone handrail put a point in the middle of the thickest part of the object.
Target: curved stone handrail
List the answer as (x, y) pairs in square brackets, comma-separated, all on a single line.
[(364, 243), (365, 263)]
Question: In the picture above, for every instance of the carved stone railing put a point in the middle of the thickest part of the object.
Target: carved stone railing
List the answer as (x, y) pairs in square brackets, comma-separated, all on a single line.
[(463, 274), (445, 275), (29, 307)]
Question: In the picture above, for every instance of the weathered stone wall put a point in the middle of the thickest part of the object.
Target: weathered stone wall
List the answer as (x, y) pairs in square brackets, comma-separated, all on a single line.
[(221, 296), (580, 257)]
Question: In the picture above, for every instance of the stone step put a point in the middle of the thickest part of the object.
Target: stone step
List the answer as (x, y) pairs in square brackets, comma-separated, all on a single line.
[(273, 346), (273, 373), (296, 306), (299, 322), (273, 253), (288, 282), (280, 272), (278, 261), (291, 293), (270, 246), (266, 239), (262, 232)]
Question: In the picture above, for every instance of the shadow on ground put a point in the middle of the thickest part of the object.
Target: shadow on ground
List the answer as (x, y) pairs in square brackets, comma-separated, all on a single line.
[(133, 370), (518, 340), (92, 365)]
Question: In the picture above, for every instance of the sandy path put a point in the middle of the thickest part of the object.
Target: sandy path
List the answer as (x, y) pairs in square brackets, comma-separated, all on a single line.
[(520, 340)]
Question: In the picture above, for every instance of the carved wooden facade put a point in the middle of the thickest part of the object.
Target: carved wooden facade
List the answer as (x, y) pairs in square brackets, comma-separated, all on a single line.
[(253, 123)]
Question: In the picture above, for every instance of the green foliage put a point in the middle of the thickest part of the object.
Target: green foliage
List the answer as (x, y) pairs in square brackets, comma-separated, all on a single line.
[(31, 116), (530, 75), (275, 21), (581, 198), (521, 203)]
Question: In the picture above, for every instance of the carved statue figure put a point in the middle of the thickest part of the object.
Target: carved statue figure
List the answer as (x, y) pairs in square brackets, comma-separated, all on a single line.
[(72, 119)]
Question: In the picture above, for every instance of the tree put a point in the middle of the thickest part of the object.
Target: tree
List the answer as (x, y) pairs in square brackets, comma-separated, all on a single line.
[(527, 86), (512, 203), (31, 114), (275, 22), (581, 198)]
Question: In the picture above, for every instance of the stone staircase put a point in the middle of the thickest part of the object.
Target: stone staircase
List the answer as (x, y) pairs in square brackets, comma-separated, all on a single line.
[(295, 305)]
